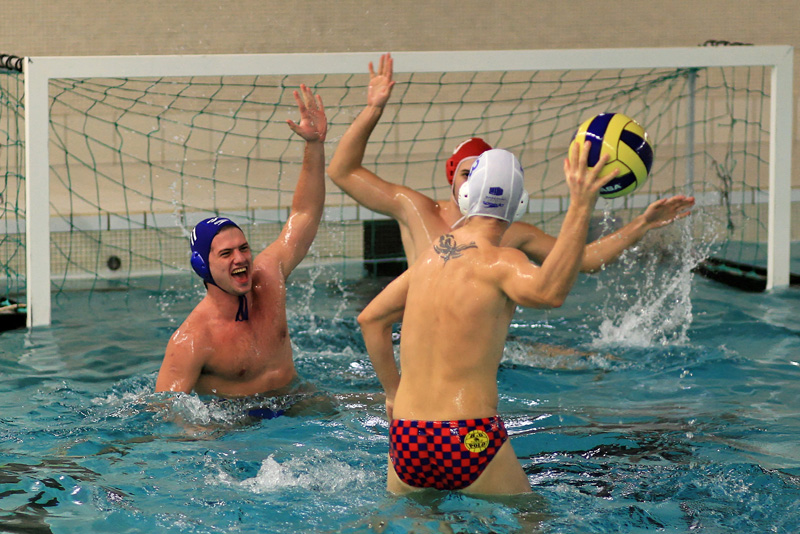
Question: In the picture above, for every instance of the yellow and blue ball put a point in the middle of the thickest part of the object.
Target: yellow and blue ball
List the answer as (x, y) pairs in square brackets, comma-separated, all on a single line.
[(628, 146)]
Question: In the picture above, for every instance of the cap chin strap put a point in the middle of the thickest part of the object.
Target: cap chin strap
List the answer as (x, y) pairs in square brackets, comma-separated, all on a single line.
[(242, 314)]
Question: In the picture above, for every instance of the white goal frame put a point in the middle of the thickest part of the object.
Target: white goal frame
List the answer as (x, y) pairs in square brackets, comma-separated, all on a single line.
[(38, 71)]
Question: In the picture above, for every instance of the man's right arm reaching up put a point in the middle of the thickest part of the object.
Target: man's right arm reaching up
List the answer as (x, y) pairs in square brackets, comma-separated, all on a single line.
[(346, 167), (548, 286)]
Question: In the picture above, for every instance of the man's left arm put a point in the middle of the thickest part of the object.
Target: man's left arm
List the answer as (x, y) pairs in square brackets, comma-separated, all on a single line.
[(376, 322), (309, 196), (660, 213), (537, 244)]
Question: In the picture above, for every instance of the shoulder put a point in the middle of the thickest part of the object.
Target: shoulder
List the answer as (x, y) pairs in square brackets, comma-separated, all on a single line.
[(411, 198), (194, 330), (521, 232), (267, 264), (461, 262), (501, 262), (534, 242), (503, 253), (472, 254)]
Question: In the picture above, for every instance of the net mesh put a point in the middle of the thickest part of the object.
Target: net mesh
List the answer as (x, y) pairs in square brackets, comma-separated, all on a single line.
[(12, 200), (136, 162)]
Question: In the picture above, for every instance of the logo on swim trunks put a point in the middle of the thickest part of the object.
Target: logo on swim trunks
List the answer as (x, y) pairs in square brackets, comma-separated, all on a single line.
[(476, 441)]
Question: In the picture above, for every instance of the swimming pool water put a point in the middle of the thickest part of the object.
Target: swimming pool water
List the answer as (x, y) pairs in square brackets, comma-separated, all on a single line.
[(670, 405)]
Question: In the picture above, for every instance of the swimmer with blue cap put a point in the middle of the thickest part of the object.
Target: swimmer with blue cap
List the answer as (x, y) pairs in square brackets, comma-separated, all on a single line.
[(236, 342), (238, 282), (456, 303)]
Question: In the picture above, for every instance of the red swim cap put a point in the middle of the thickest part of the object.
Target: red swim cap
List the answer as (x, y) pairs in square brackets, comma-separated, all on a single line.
[(471, 148)]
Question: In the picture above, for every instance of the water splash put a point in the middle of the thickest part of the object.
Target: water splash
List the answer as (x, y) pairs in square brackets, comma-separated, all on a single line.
[(320, 281), (554, 357), (325, 269), (320, 472), (648, 290)]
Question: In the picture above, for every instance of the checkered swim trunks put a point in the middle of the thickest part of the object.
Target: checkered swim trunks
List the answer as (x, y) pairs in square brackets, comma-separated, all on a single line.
[(446, 455)]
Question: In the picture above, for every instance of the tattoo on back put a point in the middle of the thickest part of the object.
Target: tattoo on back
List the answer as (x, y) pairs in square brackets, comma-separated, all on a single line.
[(447, 248)]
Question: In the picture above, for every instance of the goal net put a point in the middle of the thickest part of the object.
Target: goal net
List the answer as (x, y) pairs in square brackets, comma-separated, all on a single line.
[(12, 199), (125, 154)]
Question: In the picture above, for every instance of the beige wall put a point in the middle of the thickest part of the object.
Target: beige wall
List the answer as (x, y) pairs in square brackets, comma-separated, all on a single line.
[(112, 27)]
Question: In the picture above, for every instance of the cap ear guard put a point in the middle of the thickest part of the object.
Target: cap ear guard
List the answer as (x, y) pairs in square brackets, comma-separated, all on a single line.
[(522, 208), (463, 199), (200, 267)]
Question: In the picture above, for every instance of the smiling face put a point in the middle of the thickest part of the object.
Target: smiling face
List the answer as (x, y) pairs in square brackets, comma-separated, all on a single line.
[(460, 177), (231, 261)]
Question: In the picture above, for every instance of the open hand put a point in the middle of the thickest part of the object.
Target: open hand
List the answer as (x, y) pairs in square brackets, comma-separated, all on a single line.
[(380, 83), (585, 182), (313, 122), (666, 210)]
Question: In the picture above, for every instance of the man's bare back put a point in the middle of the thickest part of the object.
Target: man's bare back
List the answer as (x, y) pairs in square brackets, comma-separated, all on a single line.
[(453, 341), (456, 302)]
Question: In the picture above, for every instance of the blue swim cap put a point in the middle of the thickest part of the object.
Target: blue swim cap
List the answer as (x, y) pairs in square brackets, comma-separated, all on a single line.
[(200, 242)]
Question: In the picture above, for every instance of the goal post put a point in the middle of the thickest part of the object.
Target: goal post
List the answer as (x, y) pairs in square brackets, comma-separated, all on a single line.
[(525, 100)]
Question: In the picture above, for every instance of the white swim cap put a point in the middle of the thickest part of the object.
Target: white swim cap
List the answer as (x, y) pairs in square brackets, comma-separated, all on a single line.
[(495, 187)]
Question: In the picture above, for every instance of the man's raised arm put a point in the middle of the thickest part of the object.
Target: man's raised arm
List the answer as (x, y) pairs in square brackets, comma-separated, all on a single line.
[(553, 281), (309, 196), (660, 213), (537, 245), (346, 167)]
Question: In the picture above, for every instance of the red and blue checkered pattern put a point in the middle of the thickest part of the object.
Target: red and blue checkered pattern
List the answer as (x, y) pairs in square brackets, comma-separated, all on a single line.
[(432, 454)]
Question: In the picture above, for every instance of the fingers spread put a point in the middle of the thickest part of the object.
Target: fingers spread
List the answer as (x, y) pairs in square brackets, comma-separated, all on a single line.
[(300, 104), (389, 67)]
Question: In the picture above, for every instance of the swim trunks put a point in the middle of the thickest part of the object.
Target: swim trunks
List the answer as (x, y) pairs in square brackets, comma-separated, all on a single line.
[(265, 413), (446, 455), (258, 407)]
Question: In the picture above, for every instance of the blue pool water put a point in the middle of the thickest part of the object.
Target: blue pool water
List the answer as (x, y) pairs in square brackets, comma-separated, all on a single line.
[(670, 405)]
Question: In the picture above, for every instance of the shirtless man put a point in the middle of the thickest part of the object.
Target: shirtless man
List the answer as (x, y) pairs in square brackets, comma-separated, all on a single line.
[(423, 219), (456, 303), (236, 341)]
